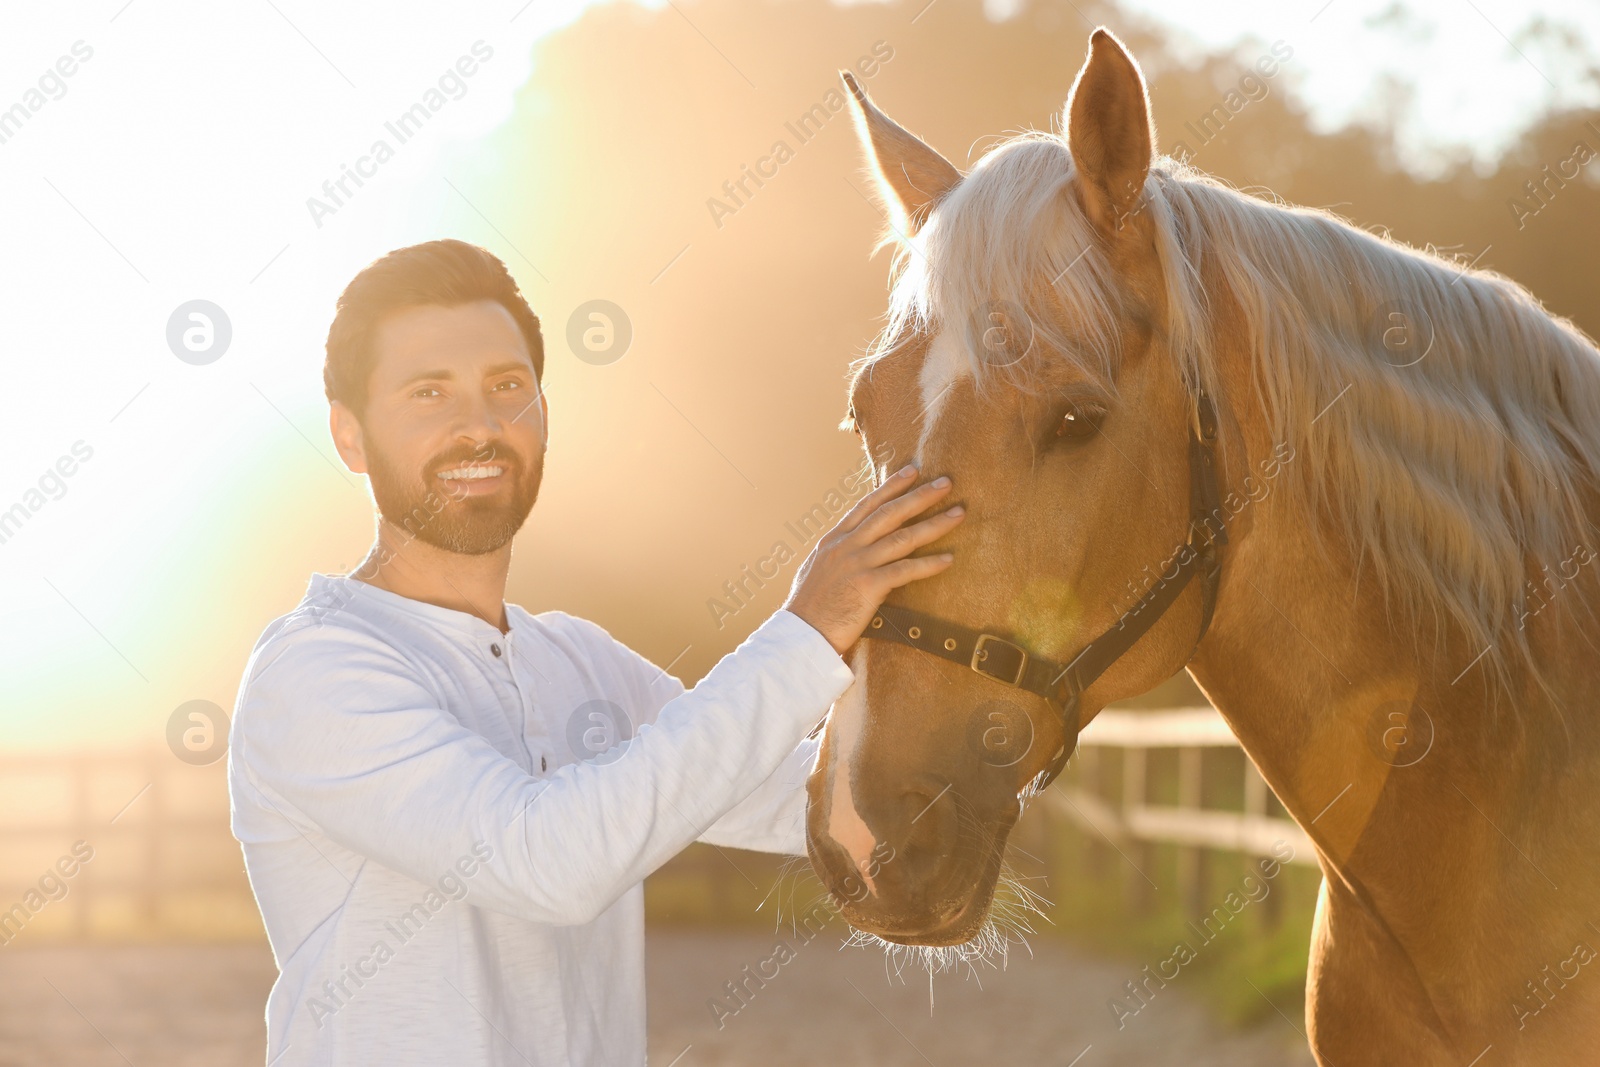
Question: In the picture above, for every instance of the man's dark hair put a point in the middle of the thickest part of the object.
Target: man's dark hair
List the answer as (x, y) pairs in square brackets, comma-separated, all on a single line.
[(440, 273)]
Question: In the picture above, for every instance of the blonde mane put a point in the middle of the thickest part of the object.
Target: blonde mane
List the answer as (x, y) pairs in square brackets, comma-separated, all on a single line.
[(1456, 479)]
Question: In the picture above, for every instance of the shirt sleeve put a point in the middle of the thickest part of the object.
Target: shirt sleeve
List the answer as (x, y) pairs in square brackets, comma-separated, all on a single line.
[(339, 732), (773, 817)]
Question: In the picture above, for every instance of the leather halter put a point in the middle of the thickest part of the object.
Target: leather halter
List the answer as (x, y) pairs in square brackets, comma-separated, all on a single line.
[(1007, 662)]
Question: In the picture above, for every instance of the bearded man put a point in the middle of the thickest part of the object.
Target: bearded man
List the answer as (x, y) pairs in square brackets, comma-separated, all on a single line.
[(448, 864)]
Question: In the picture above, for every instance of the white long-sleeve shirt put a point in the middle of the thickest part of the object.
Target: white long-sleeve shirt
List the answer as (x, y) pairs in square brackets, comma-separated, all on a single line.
[(447, 871)]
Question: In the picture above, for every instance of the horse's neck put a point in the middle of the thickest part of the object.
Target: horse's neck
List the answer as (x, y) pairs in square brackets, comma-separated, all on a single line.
[(1344, 706), (1473, 827)]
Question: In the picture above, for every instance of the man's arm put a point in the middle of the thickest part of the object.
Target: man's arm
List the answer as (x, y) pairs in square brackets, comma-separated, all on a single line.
[(338, 735), (837, 589), (772, 817)]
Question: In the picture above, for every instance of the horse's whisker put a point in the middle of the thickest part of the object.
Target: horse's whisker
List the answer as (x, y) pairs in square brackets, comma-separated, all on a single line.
[(1009, 922)]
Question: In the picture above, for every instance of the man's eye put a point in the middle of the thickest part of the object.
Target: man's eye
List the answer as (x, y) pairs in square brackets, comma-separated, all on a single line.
[(426, 391), (508, 386), (1080, 422)]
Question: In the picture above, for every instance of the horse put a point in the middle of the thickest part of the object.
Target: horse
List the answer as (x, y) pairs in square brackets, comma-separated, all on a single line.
[(1351, 486)]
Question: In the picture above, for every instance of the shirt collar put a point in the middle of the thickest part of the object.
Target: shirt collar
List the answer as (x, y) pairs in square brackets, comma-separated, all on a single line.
[(346, 589)]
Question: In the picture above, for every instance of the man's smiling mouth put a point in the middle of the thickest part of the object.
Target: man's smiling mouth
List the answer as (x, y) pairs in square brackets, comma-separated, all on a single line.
[(472, 473)]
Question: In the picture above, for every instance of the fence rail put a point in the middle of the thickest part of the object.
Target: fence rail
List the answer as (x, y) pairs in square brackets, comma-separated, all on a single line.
[(166, 866), (120, 845), (1134, 818)]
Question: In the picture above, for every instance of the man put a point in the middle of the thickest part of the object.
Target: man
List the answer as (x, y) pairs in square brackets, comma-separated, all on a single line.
[(444, 876)]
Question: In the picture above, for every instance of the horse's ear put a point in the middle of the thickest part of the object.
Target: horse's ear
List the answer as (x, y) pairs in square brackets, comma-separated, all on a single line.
[(911, 176), (1109, 132)]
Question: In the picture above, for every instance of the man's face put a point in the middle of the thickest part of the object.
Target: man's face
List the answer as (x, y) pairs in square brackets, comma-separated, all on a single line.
[(454, 431)]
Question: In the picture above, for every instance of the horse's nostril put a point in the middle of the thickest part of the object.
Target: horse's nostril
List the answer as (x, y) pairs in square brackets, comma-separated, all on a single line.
[(909, 848), (927, 803), (917, 842)]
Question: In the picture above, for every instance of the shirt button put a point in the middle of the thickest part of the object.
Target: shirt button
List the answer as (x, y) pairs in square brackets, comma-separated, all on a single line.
[(496, 650), (543, 766)]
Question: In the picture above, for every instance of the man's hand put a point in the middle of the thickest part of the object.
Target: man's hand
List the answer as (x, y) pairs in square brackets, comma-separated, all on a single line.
[(855, 565)]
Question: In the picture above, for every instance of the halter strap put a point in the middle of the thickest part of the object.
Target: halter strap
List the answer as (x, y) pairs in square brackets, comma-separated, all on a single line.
[(1008, 662)]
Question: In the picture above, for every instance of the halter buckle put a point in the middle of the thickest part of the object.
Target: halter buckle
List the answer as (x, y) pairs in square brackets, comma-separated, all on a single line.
[(1010, 651)]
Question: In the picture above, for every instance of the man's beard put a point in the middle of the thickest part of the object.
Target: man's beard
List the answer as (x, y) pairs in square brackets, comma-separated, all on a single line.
[(428, 511)]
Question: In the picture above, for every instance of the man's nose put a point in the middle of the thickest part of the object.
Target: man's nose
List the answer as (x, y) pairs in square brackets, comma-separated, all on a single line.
[(477, 421)]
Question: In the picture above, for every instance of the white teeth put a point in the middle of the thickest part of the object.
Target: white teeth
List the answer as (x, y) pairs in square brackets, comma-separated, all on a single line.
[(473, 472)]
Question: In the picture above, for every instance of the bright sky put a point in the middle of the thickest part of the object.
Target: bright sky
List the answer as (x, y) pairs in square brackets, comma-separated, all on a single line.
[(174, 164), (1471, 73)]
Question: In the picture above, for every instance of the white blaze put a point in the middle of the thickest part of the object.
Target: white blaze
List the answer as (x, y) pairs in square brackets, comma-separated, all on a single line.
[(943, 365), (848, 722)]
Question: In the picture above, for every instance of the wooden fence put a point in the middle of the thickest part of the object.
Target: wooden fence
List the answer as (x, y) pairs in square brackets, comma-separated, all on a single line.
[(1110, 798), (165, 865), (161, 862), (1190, 731)]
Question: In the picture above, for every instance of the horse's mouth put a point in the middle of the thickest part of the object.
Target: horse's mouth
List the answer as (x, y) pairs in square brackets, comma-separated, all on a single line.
[(957, 929), (953, 925)]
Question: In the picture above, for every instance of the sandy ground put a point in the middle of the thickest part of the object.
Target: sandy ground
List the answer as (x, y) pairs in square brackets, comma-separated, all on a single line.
[(843, 1007), (201, 1006)]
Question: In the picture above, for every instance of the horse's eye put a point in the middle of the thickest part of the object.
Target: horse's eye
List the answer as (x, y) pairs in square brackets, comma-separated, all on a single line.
[(849, 422), (1080, 422)]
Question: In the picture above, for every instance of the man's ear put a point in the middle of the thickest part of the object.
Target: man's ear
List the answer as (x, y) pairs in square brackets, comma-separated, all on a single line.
[(911, 176), (1109, 133), (348, 437)]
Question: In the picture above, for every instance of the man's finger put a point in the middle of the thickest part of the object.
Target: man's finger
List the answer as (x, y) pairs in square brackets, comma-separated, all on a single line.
[(905, 571), (888, 516), (892, 486), (906, 540)]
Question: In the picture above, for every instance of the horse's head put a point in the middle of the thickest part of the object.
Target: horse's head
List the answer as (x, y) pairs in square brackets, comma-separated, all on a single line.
[(1031, 354)]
